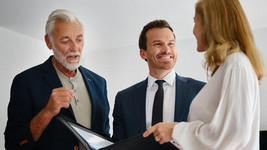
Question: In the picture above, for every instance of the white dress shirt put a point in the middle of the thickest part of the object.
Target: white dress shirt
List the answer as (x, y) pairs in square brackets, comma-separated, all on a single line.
[(169, 87), (225, 113)]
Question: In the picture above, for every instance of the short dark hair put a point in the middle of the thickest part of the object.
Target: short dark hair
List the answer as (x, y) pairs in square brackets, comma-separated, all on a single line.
[(151, 25)]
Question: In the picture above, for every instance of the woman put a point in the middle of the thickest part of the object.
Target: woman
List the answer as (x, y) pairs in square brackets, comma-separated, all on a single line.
[(225, 114)]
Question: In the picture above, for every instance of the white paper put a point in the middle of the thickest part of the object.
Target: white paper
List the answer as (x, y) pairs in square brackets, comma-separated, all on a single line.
[(93, 140)]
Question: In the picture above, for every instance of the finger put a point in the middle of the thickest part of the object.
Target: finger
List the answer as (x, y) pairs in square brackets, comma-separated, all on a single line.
[(65, 105), (162, 140), (149, 131), (63, 89), (157, 139), (64, 95), (70, 94)]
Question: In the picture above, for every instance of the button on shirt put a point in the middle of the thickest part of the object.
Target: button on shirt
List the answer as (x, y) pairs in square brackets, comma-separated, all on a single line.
[(169, 87), (81, 103)]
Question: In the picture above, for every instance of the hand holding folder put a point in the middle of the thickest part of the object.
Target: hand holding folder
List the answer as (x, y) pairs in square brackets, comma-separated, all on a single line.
[(95, 141)]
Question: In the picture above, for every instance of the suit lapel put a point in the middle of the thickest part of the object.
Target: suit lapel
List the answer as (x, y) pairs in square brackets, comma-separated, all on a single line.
[(139, 97), (53, 81), (50, 75), (180, 98)]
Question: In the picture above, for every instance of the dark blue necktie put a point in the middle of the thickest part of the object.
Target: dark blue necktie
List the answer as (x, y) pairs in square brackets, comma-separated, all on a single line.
[(157, 113)]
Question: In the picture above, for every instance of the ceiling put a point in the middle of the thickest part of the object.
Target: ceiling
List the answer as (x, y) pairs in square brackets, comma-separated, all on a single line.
[(111, 24)]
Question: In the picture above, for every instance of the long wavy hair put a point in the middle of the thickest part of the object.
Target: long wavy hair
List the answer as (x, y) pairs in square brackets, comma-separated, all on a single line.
[(227, 30)]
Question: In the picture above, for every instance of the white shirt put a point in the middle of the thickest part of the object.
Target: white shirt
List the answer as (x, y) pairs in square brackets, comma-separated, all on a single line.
[(225, 113), (169, 87)]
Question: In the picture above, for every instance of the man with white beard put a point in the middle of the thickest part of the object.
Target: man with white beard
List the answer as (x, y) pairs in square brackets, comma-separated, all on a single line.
[(59, 86)]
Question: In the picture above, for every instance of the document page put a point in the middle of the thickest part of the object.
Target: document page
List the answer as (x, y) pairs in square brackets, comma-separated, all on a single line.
[(93, 140)]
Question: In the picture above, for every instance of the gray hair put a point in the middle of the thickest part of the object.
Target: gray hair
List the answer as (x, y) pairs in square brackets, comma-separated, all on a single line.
[(62, 14)]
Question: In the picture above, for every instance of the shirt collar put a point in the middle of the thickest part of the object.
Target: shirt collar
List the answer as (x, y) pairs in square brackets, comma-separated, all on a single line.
[(169, 78), (65, 77)]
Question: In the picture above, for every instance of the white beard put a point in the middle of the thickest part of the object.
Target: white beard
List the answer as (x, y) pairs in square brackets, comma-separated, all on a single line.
[(73, 65)]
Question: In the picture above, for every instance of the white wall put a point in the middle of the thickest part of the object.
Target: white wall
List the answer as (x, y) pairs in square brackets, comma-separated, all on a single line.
[(261, 39), (18, 52), (121, 67)]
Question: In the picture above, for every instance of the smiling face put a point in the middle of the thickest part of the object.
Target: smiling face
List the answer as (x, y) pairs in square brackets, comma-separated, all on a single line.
[(67, 43), (161, 53), (198, 31)]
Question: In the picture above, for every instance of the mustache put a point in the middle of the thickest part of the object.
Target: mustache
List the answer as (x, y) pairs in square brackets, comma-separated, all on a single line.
[(73, 53)]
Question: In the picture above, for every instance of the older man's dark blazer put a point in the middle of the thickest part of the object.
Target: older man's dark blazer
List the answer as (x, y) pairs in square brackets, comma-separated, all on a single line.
[(130, 106), (30, 93)]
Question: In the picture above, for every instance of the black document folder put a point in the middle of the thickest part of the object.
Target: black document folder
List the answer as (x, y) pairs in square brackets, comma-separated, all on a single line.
[(95, 141), (89, 139), (140, 143)]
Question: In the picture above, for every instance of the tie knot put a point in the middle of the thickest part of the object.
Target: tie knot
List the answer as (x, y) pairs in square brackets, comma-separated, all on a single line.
[(160, 82)]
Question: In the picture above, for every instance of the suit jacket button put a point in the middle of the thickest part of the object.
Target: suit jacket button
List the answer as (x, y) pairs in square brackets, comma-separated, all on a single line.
[(23, 142), (76, 148)]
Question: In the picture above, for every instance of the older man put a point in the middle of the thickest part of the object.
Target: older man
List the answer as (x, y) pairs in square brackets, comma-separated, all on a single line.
[(58, 86)]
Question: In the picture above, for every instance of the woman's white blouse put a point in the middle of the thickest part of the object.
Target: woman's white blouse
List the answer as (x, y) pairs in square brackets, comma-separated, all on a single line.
[(225, 113)]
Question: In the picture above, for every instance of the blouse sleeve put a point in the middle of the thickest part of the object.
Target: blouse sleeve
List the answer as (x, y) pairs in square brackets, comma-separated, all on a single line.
[(236, 118)]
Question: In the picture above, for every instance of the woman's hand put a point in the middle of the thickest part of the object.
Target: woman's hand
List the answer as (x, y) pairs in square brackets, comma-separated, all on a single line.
[(161, 131)]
